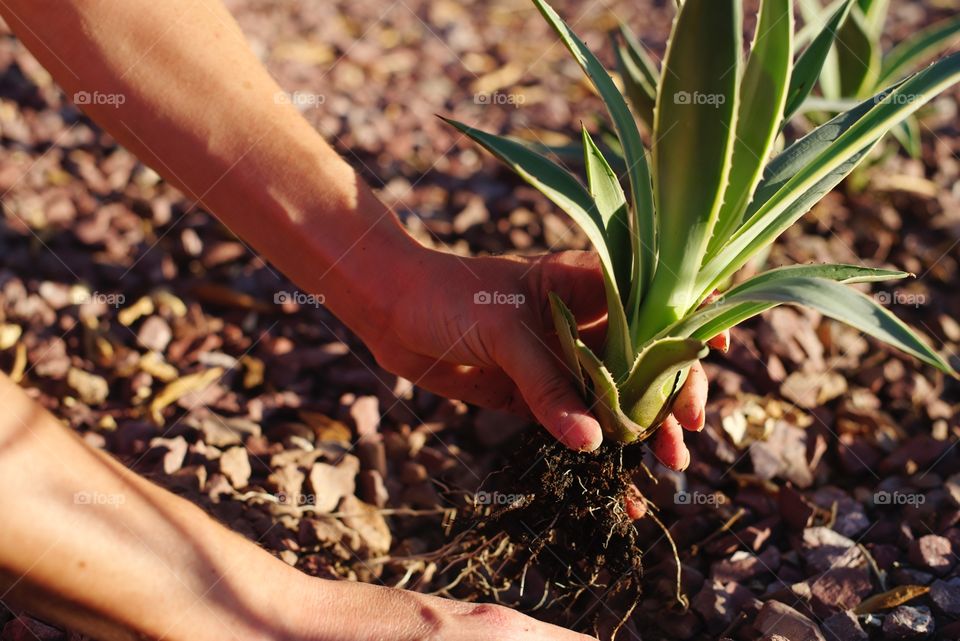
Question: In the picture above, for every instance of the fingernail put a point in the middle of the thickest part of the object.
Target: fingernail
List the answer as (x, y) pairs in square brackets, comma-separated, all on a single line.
[(635, 505), (701, 420), (686, 464), (592, 444), (720, 342), (579, 432)]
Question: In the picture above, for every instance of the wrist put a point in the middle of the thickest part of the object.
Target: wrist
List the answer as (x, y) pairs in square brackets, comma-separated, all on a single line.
[(241, 591), (327, 231), (369, 274)]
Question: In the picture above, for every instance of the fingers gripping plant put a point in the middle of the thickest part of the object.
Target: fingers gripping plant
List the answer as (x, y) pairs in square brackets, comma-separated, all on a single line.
[(708, 201)]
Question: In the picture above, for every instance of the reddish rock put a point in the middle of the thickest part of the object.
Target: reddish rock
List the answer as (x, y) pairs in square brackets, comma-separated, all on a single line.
[(839, 589), (365, 413), (745, 565), (24, 628), (824, 549), (235, 466), (933, 553), (331, 483), (372, 488), (779, 618), (946, 596), (372, 455), (719, 604), (155, 334), (843, 626), (908, 622), (170, 452)]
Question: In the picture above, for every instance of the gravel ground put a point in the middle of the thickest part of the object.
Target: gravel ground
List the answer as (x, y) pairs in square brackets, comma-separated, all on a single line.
[(824, 496)]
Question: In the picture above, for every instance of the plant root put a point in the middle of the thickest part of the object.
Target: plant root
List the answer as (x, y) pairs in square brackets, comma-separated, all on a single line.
[(552, 537)]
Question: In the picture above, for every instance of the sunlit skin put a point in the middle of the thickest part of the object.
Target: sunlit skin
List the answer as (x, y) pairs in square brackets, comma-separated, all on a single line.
[(200, 109)]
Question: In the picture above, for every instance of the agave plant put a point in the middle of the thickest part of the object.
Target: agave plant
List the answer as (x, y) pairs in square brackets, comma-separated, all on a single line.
[(708, 199), (857, 67), (844, 52)]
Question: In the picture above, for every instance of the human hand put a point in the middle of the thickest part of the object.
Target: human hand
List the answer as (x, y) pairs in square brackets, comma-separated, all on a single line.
[(346, 611), (480, 329)]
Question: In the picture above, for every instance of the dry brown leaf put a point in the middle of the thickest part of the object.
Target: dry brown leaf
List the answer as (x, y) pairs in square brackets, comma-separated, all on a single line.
[(220, 295), (177, 307), (506, 75), (92, 389), (154, 364), (129, 315), (890, 599), (180, 388), (327, 429), (19, 363), (253, 371)]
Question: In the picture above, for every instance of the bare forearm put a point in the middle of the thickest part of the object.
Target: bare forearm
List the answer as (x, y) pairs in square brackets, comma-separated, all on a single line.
[(176, 83), (89, 544)]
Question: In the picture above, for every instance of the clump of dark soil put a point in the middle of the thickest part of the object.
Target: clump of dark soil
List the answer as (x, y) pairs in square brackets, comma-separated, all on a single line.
[(550, 534)]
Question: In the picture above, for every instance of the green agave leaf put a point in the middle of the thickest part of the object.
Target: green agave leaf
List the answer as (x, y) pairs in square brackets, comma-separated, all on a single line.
[(816, 103), (858, 56), (837, 272), (829, 80), (713, 319), (719, 269), (566, 192), (810, 63), (812, 11), (815, 16), (694, 133), (555, 182), (566, 326), (639, 72), (817, 166), (612, 143), (612, 204), (763, 93), (907, 134), (644, 218), (875, 15), (804, 151), (916, 49), (838, 302), (615, 423), (653, 377)]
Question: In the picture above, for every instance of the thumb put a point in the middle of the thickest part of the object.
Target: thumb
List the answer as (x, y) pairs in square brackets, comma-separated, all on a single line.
[(548, 389)]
